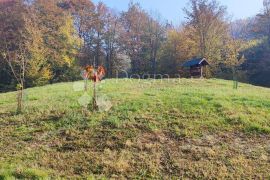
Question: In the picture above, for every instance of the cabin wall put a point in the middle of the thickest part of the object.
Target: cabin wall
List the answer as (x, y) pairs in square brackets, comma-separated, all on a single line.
[(196, 71)]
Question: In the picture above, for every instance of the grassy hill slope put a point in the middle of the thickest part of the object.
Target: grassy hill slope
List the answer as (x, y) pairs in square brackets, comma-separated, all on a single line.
[(154, 129)]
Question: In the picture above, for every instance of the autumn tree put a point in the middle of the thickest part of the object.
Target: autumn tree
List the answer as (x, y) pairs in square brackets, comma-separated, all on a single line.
[(61, 40), (155, 33), (134, 24), (169, 52), (258, 55), (112, 29), (263, 21), (83, 13), (38, 70), (16, 39), (99, 31), (180, 45), (207, 19)]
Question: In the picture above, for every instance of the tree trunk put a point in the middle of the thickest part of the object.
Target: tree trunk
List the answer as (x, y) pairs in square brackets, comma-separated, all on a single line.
[(20, 99), (98, 50), (155, 62), (110, 70), (107, 63), (235, 79), (85, 85), (95, 106)]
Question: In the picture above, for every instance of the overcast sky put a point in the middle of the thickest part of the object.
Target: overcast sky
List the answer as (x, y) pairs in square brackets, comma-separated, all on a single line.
[(172, 9)]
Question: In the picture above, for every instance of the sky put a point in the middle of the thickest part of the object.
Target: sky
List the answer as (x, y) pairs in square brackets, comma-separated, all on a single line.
[(172, 10)]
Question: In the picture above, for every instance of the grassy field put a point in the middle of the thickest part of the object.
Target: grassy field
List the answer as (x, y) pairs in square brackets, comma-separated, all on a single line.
[(153, 129)]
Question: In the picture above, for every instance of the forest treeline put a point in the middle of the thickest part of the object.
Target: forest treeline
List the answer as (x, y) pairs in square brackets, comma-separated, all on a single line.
[(47, 41)]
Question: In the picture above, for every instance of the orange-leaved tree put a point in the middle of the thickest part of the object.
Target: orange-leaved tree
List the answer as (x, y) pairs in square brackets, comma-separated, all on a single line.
[(95, 75)]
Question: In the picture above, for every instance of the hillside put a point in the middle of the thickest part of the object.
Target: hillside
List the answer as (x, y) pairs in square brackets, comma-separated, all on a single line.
[(154, 129)]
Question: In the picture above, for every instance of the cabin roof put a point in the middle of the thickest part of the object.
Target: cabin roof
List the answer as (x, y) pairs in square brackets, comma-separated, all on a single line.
[(196, 61)]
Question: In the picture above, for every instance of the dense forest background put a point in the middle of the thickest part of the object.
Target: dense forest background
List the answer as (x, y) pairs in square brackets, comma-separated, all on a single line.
[(51, 41)]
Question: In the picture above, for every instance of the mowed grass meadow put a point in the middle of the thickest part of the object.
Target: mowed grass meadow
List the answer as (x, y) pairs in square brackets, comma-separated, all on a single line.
[(150, 129)]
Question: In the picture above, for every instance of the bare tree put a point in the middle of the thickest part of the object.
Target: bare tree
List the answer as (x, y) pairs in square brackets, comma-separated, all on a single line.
[(16, 39)]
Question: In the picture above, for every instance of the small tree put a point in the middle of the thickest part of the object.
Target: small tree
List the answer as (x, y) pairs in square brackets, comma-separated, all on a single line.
[(96, 75), (17, 62), (233, 57), (15, 38)]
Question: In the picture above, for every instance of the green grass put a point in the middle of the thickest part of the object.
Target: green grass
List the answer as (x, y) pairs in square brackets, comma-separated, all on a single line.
[(12, 172), (187, 128)]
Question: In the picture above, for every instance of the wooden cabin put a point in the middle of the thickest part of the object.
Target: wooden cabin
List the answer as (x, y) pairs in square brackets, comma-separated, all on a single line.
[(196, 66)]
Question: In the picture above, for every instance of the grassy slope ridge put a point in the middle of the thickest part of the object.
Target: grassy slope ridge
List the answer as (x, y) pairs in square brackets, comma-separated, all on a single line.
[(155, 129)]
